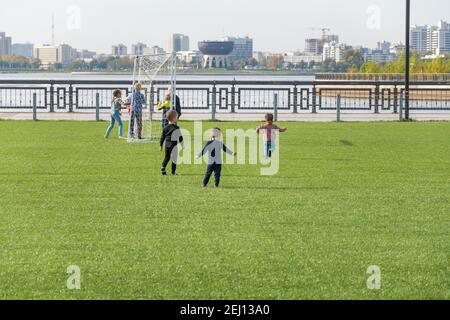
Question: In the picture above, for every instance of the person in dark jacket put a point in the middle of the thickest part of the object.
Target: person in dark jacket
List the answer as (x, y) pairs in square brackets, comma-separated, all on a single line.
[(177, 103), (214, 149), (171, 137)]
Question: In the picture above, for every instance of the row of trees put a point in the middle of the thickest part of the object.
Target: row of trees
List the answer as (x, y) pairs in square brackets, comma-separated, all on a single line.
[(18, 62), (418, 65), (352, 62), (106, 63)]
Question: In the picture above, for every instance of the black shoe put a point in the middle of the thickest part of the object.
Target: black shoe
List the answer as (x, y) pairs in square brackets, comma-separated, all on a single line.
[(164, 173)]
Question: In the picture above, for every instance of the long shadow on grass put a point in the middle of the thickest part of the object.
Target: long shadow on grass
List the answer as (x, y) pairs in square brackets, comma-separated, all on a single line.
[(346, 143)]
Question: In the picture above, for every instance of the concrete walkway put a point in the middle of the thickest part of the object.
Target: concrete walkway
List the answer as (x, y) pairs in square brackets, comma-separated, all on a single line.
[(300, 117)]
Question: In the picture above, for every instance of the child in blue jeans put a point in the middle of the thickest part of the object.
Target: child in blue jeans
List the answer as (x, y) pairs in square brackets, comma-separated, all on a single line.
[(116, 108), (214, 149), (138, 102)]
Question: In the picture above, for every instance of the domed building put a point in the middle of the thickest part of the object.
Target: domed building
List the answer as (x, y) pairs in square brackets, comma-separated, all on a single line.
[(216, 53)]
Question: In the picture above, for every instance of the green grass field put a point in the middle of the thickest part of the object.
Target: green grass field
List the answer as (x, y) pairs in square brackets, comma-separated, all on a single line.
[(347, 196)]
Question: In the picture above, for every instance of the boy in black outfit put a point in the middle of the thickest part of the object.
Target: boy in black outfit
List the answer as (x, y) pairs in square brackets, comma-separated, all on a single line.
[(171, 136), (214, 149)]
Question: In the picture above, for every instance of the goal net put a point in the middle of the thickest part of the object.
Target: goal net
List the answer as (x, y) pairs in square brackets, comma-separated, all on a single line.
[(148, 70)]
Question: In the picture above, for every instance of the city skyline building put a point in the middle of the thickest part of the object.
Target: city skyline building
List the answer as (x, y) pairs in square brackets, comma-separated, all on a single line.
[(154, 50), (50, 55), (243, 48), (430, 39), (420, 39), (47, 54), (87, 54), (297, 58), (190, 57), (314, 46), (5, 44), (384, 46), (137, 49), (334, 51), (379, 56), (178, 42), (67, 54), (119, 50), (23, 49), (440, 39)]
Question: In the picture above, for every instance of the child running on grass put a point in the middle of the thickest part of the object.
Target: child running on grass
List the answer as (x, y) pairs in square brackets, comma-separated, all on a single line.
[(269, 129), (137, 100), (214, 148), (165, 107), (116, 109), (171, 136)]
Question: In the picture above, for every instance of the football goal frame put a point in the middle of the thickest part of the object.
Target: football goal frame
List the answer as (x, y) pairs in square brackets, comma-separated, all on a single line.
[(149, 69)]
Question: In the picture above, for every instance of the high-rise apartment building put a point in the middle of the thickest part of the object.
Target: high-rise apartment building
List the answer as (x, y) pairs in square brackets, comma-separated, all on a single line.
[(67, 54), (138, 49), (119, 50), (420, 39), (431, 39), (5, 44), (384, 46), (334, 51), (440, 39), (242, 50), (314, 46), (23, 49), (178, 42)]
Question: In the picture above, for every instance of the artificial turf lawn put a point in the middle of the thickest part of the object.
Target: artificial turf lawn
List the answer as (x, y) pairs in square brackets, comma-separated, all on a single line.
[(347, 196)]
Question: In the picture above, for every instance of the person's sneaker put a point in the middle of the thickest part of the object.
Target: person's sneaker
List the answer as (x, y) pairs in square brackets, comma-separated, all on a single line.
[(175, 174), (164, 173), (203, 186)]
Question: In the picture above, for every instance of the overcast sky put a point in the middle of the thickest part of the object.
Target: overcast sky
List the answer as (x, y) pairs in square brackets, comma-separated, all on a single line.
[(275, 25)]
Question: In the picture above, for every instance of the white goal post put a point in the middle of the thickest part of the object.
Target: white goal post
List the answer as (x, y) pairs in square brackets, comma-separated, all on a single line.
[(147, 70)]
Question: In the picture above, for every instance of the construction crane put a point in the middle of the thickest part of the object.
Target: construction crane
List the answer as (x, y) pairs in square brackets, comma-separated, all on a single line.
[(324, 32)]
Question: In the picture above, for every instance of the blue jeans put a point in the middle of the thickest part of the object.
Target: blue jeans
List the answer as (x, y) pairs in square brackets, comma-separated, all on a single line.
[(217, 170), (136, 116), (269, 149), (115, 117)]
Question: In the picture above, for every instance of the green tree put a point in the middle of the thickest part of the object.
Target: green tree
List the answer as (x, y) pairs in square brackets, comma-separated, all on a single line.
[(353, 69), (353, 58), (371, 67)]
